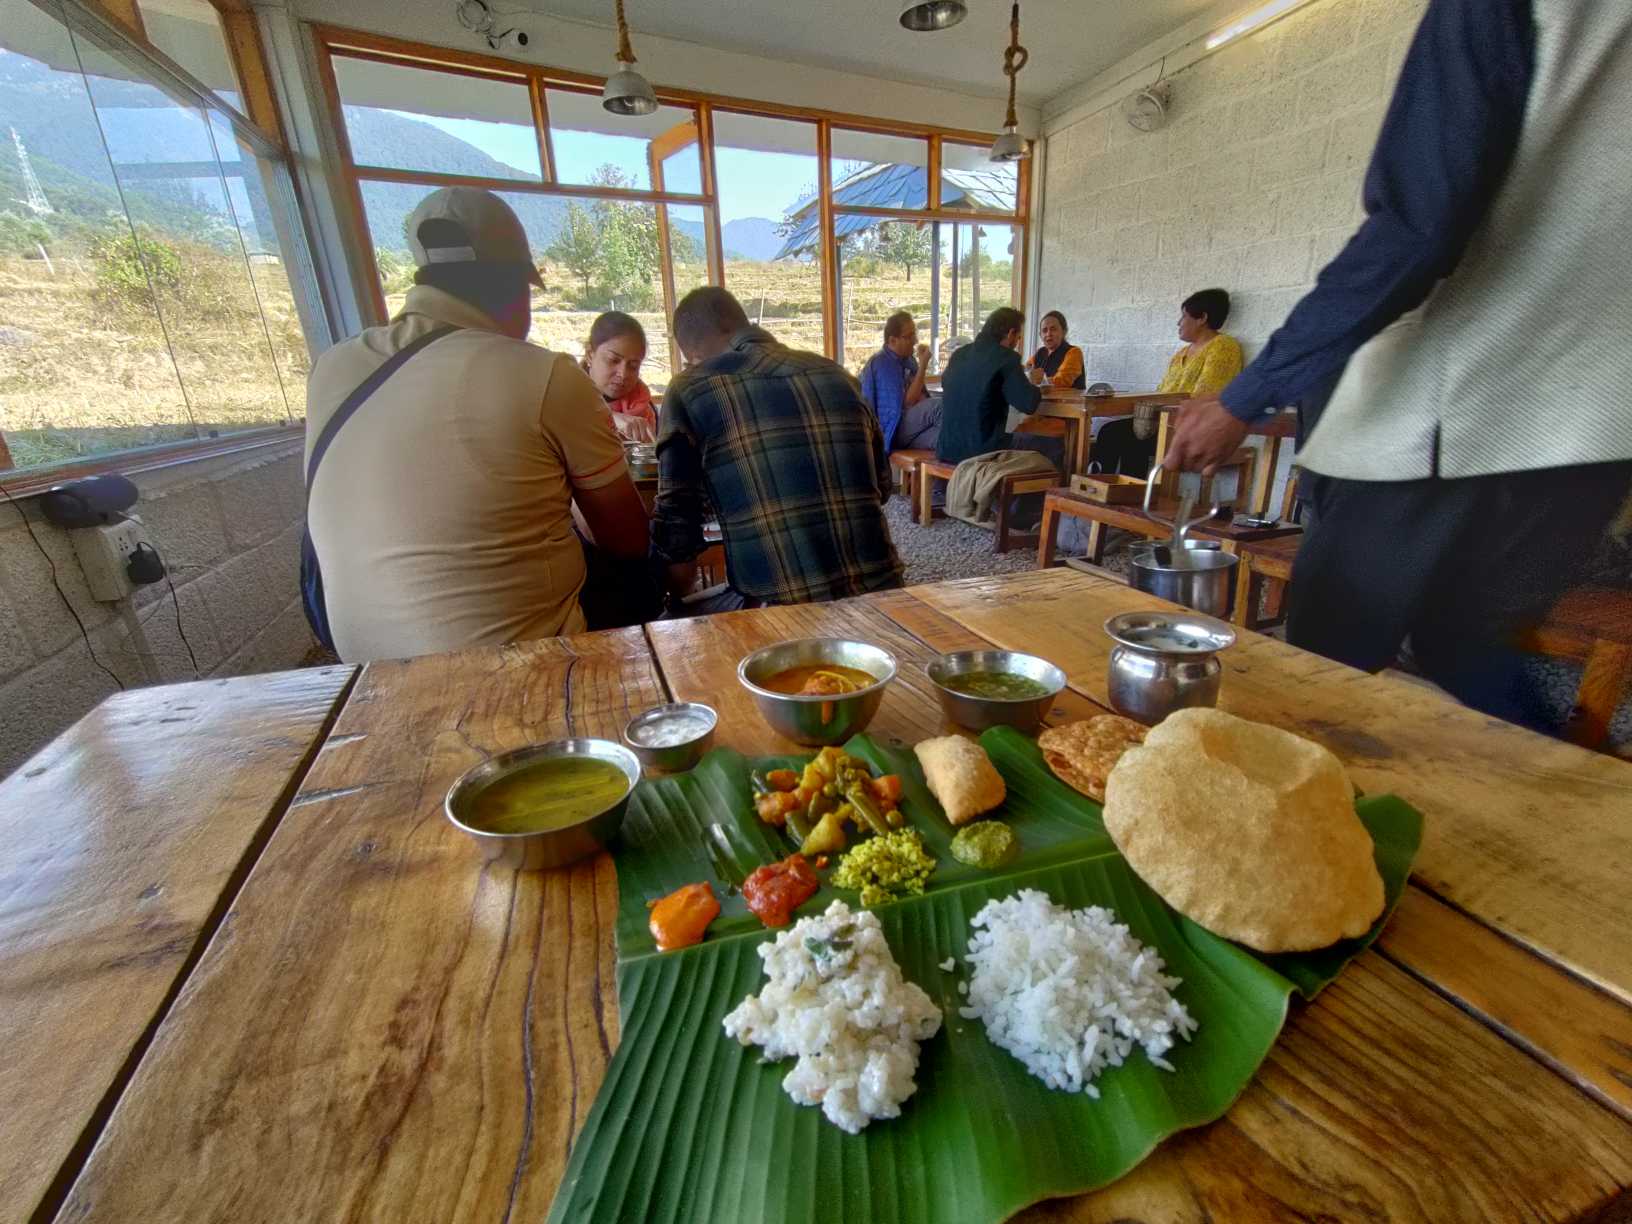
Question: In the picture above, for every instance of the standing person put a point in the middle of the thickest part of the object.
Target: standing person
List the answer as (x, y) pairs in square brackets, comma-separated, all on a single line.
[(1057, 363), (983, 380), (1463, 462), (892, 381), (612, 358), (789, 455), (1204, 366), (440, 510)]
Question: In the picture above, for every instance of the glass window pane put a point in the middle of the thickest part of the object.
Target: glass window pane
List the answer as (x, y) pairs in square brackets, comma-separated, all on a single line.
[(884, 266), (873, 171), (83, 364), (190, 32), (987, 261), (594, 255), (444, 122), (595, 148), (252, 184), (769, 227), (970, 180), (190, 249)]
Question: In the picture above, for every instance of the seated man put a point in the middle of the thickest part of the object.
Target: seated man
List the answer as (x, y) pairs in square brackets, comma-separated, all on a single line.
[(892, 381), (441, 511), (983, 380), (789, 455)]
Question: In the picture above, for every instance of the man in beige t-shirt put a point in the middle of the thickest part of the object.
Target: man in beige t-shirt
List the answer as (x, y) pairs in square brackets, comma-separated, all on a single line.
[(442, 510)]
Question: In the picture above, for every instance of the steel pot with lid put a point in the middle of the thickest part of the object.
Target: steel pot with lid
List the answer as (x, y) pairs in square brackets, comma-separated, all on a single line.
[(1164, 661), (1196, 574)]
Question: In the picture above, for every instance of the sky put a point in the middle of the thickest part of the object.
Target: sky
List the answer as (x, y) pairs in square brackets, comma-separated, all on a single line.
[(752, 184)]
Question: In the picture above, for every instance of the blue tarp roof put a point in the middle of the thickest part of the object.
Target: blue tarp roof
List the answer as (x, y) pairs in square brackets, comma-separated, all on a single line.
[(892, 185)]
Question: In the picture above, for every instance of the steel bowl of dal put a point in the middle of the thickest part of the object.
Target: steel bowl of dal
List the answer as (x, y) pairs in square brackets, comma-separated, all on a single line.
[(995, 688), (545, 805), (817, 691)]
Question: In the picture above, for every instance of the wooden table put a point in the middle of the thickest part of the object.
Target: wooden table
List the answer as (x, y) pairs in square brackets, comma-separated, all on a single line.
[(249, 972)]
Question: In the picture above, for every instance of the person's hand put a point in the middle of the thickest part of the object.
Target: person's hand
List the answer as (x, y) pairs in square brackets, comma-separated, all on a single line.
[(633, 428), (1205, 434), (1036, 375), (923, 356)]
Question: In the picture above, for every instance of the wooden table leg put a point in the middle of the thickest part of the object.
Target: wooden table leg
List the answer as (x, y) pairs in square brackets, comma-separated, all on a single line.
[(1242, 614), (1049, 528), (1085, 431), (926, 511), (1096, 541), (1000, 530)]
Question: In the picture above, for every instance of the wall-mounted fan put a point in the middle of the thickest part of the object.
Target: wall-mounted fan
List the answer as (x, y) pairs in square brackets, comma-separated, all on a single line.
[(1147, 109)]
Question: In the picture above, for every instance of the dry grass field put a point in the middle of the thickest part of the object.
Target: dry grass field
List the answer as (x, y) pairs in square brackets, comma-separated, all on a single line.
[(81, 375)]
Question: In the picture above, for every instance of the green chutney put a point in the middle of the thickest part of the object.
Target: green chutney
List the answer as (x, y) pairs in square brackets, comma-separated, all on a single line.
[(997, 686), (548, 794), (986, 844)]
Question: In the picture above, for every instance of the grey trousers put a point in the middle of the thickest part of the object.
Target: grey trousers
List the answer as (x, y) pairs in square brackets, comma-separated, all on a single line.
[(920, 426)]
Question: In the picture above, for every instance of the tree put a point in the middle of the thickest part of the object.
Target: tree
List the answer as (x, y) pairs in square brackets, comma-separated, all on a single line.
[(22, 235), (577, 247), (904, 243)]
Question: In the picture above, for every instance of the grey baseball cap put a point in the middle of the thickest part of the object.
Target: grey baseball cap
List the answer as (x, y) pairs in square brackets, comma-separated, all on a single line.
[(484, 230)]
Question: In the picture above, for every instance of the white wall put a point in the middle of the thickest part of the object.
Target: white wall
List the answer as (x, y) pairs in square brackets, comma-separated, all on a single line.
[(1252, 186)]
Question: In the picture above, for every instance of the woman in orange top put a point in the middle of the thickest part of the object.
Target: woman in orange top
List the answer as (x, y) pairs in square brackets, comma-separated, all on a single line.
[(1057, 363), (1204, 366), (612, 357)]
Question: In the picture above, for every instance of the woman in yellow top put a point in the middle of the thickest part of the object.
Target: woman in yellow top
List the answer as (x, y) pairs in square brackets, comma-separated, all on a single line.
[(1205, 365)]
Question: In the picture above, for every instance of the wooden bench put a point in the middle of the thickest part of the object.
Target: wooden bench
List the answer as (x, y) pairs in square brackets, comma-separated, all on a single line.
[(1594, 625), (904, 463), (932, 470), (1062, 503)]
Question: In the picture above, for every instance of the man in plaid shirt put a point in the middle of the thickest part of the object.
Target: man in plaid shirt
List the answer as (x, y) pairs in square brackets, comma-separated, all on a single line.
[(790, 457)]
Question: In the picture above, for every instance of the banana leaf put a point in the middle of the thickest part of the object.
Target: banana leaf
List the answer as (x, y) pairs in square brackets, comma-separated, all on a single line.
[(691, 1126)]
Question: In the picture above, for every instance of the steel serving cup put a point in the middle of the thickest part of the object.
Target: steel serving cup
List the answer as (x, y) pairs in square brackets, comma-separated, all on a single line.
[(671, 757), (552, 847), (1199, 575), (1164, 661), (978, 713), (817, 720)]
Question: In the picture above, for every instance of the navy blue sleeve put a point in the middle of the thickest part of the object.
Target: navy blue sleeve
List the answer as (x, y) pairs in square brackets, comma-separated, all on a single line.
[(1446, 145)]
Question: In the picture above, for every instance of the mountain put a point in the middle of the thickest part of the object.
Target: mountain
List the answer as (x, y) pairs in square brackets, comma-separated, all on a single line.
[(381, 138), (751, 238)]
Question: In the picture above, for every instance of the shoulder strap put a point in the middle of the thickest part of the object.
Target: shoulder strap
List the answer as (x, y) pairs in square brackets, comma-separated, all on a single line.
[(358, 397)]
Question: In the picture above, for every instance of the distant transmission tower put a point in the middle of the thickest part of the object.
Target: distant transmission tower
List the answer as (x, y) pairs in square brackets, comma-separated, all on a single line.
[(34, 195)]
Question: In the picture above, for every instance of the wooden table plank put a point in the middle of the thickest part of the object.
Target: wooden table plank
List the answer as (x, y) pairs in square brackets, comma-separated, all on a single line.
[(1529, 835), (1578, 1030), (125, 839), (386, 1029)]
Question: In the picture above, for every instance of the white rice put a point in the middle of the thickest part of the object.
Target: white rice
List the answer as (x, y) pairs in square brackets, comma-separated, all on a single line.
[(1069, 992), (836, 1000)]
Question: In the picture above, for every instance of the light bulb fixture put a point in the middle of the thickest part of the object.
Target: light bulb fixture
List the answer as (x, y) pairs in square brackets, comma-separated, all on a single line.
[(923, 15), (1009, 147), (627, 92), (1250, 22)]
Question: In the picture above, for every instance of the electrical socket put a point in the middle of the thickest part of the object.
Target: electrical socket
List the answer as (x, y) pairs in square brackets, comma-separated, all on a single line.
[(104, 552)]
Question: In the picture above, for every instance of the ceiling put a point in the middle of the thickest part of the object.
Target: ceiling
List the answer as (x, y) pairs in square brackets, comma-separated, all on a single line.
[(1069, 40)]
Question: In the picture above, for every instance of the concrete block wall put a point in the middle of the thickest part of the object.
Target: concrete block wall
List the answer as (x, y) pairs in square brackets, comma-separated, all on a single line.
[(1253, 185), (229, 531)]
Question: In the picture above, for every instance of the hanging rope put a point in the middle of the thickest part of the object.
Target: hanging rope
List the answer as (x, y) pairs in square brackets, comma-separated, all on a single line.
[(1014, 59), (626, 53)]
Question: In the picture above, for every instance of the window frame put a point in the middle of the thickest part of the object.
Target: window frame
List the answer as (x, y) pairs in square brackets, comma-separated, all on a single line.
[(333, 41), (116, 27)]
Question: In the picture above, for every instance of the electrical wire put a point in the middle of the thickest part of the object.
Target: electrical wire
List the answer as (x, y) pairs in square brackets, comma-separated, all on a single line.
[(62, 594), (176, 600)]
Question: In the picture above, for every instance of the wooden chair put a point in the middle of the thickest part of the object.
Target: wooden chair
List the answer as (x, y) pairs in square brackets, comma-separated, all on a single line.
[(1264, 563), (904, 463), (1594, 625)]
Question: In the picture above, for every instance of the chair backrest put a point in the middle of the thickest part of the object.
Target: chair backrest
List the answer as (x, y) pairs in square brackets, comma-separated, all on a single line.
[(1291, 507), (1047, 427)]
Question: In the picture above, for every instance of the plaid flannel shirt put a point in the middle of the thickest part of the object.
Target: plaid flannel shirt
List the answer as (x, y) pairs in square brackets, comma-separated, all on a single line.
[(791, 458)]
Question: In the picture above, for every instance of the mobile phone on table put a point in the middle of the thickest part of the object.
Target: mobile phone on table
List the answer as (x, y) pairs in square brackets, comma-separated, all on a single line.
[(1248, 520)]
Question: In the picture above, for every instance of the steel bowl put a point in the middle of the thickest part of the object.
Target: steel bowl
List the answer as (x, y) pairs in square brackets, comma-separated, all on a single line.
[(978, 713), (553, 847), (671, 757), (1198, 576), (817, 720)]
